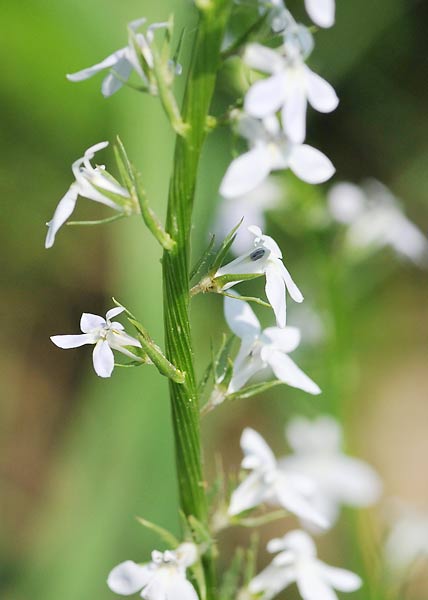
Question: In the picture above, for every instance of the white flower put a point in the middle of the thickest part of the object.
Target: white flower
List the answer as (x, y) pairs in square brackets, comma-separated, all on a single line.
[(164, 578), (267, 483), (407, 541), (90, 182), (290, 87), (340, 479), (297, 562), (252, 206), (124, 61), (375, 220), (261, 350), (265, 258), (270, 150), (322, 12), (107, 335)]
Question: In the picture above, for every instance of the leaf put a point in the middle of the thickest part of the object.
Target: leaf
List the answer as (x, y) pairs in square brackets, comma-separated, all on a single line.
[(231, 578), (201, 262), (221, 361), (99, 221), (253, 390), (225, 247), (164, 534)]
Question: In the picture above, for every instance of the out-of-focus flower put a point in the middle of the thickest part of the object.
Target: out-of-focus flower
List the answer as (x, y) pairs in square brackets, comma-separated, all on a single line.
[(253, 207), (297, 562), (291, 85), (122, 62), (164, 578), (93, 183), (263, 350), (407, 541), (340, 479), (271, 150), (107, 335), (322, 12), (375, 220), (265, 258), (267, 483)]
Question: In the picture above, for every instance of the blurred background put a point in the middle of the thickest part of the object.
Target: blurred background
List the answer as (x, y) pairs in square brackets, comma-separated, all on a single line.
[(81, 456)]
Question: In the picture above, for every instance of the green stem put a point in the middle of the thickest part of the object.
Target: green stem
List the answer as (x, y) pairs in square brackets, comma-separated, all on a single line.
[(184, 397)]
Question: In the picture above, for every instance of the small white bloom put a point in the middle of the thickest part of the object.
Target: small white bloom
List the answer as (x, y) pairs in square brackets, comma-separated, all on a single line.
[(340, 479), (322, 12), (164, 578), (291, 85), (90, 182), (267, 483), (375, 220), (124, 61), (271, 150), (297, 562), (107, 335), (407, 542), (253, 207), (263, 350), (265, 258)]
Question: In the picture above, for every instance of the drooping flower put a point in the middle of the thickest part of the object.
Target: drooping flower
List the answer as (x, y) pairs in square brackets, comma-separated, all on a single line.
[(125, 60), (252, 207), (340, 479), (407, 541), (164, 578), (107, 335), (271, 150), (265, 350), (265, 258), (322, 12), (93, 183), (375, 220), (297, 562), (291, 85), (267, 483)]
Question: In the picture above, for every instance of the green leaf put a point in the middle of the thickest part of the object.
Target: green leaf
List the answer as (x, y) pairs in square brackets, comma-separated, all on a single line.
[(225, 247), (221, 362), (253, 390), (202, 261), (231, 578), (220, 282), (164, 534), (98, 222)]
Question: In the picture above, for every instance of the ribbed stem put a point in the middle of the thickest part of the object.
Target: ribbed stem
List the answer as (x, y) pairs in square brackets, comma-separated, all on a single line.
[(184, 397)]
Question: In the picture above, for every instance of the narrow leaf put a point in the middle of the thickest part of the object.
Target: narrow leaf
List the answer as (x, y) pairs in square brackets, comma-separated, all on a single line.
[(253, 390), (202, 261), (164, 534), (225, 247)]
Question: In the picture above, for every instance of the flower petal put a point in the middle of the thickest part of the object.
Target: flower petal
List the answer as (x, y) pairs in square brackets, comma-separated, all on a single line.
[(128, 578), (292, 288), (254, 447), (286, 339), (245, 366), (72, 341), (322, 12), (287, 371), (311, 586), (241, 318), (341, 579), (108, 62), (261, 58), (88, 322), (250, 493), (246, 172), (310, 165), (63, 211), (113, 312), (294, 114), (111, 83), (296, 503), (275, 292), (321, 95), (180, 589), (265, 96), (103, 359)]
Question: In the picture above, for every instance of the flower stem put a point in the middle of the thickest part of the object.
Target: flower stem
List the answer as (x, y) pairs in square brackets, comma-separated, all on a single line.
[(184, 397)]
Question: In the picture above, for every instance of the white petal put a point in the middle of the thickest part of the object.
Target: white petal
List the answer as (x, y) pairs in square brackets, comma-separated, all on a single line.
[(292, 288), (321, 95), (111, 83), (310, 165), (245, 367), (254, 446), (128, 578), (285, 340), (180, 589), (249, 494), (103, 359), (297, 541), (261, 58), (265, 96), (311, 586), (63, 211), (275, 292), (296, 503), (118, 339), (246, 172), (341, 579), (113, 312), (272, 580), (346, 202), (108, 62), (323, 434), (294, 114), (321, 11), (88, 322), (352, 481), (287, 371), (241, 318), (72, 341)]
